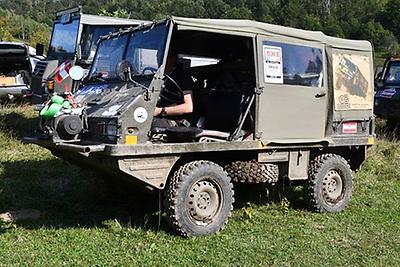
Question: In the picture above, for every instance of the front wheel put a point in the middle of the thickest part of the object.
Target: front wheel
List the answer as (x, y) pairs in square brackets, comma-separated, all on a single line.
[(199, 199), (329, 184)]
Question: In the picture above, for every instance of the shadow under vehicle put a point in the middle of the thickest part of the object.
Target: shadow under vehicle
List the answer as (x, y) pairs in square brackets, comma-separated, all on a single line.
[(17, 62), (276, 103), (387, 95), (73, 42)]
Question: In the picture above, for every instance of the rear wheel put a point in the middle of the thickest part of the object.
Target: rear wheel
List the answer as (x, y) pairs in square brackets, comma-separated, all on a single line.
[(329, 185), (199, 199)]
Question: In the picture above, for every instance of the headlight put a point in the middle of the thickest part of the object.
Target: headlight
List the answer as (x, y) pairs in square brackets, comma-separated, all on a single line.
[(111, 129)]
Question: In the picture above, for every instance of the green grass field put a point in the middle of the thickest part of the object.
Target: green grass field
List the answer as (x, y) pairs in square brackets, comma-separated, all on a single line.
[(83, 223)]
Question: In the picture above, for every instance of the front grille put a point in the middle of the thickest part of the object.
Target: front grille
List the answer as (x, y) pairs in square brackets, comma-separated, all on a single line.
[(40, 68)]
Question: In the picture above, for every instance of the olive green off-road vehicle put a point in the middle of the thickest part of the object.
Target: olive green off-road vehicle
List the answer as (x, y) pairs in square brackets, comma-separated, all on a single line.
[(271, 103)]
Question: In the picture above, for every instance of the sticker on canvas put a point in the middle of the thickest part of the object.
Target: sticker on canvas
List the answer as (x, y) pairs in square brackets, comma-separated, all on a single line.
[(273, 70)]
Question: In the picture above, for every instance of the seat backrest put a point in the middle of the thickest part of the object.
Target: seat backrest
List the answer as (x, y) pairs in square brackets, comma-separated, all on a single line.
[(223, 110)]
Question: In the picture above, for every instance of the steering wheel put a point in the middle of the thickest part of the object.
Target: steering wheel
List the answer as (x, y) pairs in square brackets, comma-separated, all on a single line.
[(151, 69), (174, 94)]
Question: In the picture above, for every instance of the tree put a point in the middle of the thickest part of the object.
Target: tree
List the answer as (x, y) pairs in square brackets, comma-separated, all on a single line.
[(40, 37), (5, 34), (390, 17)]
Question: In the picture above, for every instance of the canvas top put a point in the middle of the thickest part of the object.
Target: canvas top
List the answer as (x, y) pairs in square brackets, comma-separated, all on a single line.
[(248, 27)]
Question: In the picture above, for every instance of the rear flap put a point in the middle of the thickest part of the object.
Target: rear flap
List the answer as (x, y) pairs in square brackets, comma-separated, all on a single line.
[(353, 93)]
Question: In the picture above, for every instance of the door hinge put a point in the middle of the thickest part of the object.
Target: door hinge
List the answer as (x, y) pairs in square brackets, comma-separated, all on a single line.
[(259, 90)]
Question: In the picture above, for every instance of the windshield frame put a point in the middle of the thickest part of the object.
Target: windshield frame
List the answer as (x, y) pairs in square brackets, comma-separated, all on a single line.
[(52, 54), (130, 33), (93, 30)]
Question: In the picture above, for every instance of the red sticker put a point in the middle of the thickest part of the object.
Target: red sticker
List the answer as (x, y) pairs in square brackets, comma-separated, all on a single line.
[(349, 127)]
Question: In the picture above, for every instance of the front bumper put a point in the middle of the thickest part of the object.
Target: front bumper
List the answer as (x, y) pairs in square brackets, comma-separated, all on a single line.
[(73, 147)]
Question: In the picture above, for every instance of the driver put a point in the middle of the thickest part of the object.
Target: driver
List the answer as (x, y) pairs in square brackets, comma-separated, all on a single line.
[(175, 105)]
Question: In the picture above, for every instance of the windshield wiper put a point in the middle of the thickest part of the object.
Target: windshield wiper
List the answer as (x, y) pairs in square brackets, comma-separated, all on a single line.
[(97, 76)]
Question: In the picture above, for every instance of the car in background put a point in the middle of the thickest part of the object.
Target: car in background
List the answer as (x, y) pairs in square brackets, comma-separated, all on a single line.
[(73, 41), (387, 95), (17, 62)]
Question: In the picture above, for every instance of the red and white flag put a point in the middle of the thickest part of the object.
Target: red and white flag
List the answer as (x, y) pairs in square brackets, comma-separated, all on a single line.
[(62, 71)]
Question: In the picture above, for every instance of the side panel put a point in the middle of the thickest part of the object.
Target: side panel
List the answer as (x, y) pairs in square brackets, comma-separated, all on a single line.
[(293, 104), (152, 171)]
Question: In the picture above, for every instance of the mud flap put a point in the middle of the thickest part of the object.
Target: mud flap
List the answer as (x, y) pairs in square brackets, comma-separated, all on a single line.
[(298, 165)]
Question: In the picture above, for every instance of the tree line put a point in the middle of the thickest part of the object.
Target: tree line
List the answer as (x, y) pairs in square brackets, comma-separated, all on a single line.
[(373, 20)]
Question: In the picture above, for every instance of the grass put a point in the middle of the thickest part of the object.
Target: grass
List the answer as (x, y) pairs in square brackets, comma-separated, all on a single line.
[(83, 223)]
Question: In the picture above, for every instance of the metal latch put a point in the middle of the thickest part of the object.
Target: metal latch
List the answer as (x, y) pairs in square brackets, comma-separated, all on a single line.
[(259, 90)]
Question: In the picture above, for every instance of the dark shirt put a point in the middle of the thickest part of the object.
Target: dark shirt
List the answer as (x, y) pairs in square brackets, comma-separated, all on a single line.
[(173, 94)]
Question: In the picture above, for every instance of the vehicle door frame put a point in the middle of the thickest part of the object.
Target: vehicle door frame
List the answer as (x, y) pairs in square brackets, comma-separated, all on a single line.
[(282, 136)]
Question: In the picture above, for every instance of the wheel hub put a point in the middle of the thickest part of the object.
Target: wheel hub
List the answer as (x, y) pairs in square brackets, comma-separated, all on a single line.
[(203, 202), (332, 188)]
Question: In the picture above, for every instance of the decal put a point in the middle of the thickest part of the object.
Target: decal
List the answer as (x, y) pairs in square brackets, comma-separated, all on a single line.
[(273, 70), (111, 110), (349, 127), (388, 93), (140, 114), (352, 81), (89, 90), (92, 89), (62, 72)]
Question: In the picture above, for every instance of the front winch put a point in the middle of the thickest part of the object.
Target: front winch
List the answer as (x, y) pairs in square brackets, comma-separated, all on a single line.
[(69, 126), (61, 119)]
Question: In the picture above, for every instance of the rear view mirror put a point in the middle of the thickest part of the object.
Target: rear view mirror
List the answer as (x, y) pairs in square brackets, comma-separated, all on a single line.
[(124, 70), (39, 49), (77, 73)]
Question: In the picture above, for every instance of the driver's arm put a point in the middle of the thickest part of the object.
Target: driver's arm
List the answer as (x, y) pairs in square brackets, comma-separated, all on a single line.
[(184, 108)]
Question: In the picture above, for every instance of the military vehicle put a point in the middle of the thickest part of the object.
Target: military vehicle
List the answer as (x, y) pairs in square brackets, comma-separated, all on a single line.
[(17, 62), (276, 104), (387, 87), (73, 41)]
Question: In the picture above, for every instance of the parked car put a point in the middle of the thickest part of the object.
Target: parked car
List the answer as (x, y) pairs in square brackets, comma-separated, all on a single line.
[(387, 96), (17, 62)]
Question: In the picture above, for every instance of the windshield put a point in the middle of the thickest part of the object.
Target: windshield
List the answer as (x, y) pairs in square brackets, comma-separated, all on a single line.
[(90, 37), (144, 49), (64, 37), (392, 75)]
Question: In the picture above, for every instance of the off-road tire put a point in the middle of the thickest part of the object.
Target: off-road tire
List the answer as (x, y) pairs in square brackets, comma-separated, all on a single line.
[(329, 185), (199, 199), (252, 172)]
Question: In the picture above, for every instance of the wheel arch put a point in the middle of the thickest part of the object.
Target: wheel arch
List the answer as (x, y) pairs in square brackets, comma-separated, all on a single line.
[(354, 155)]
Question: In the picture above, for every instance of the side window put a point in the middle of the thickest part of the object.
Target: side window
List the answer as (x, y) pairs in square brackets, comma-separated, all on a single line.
[(292, 64)]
